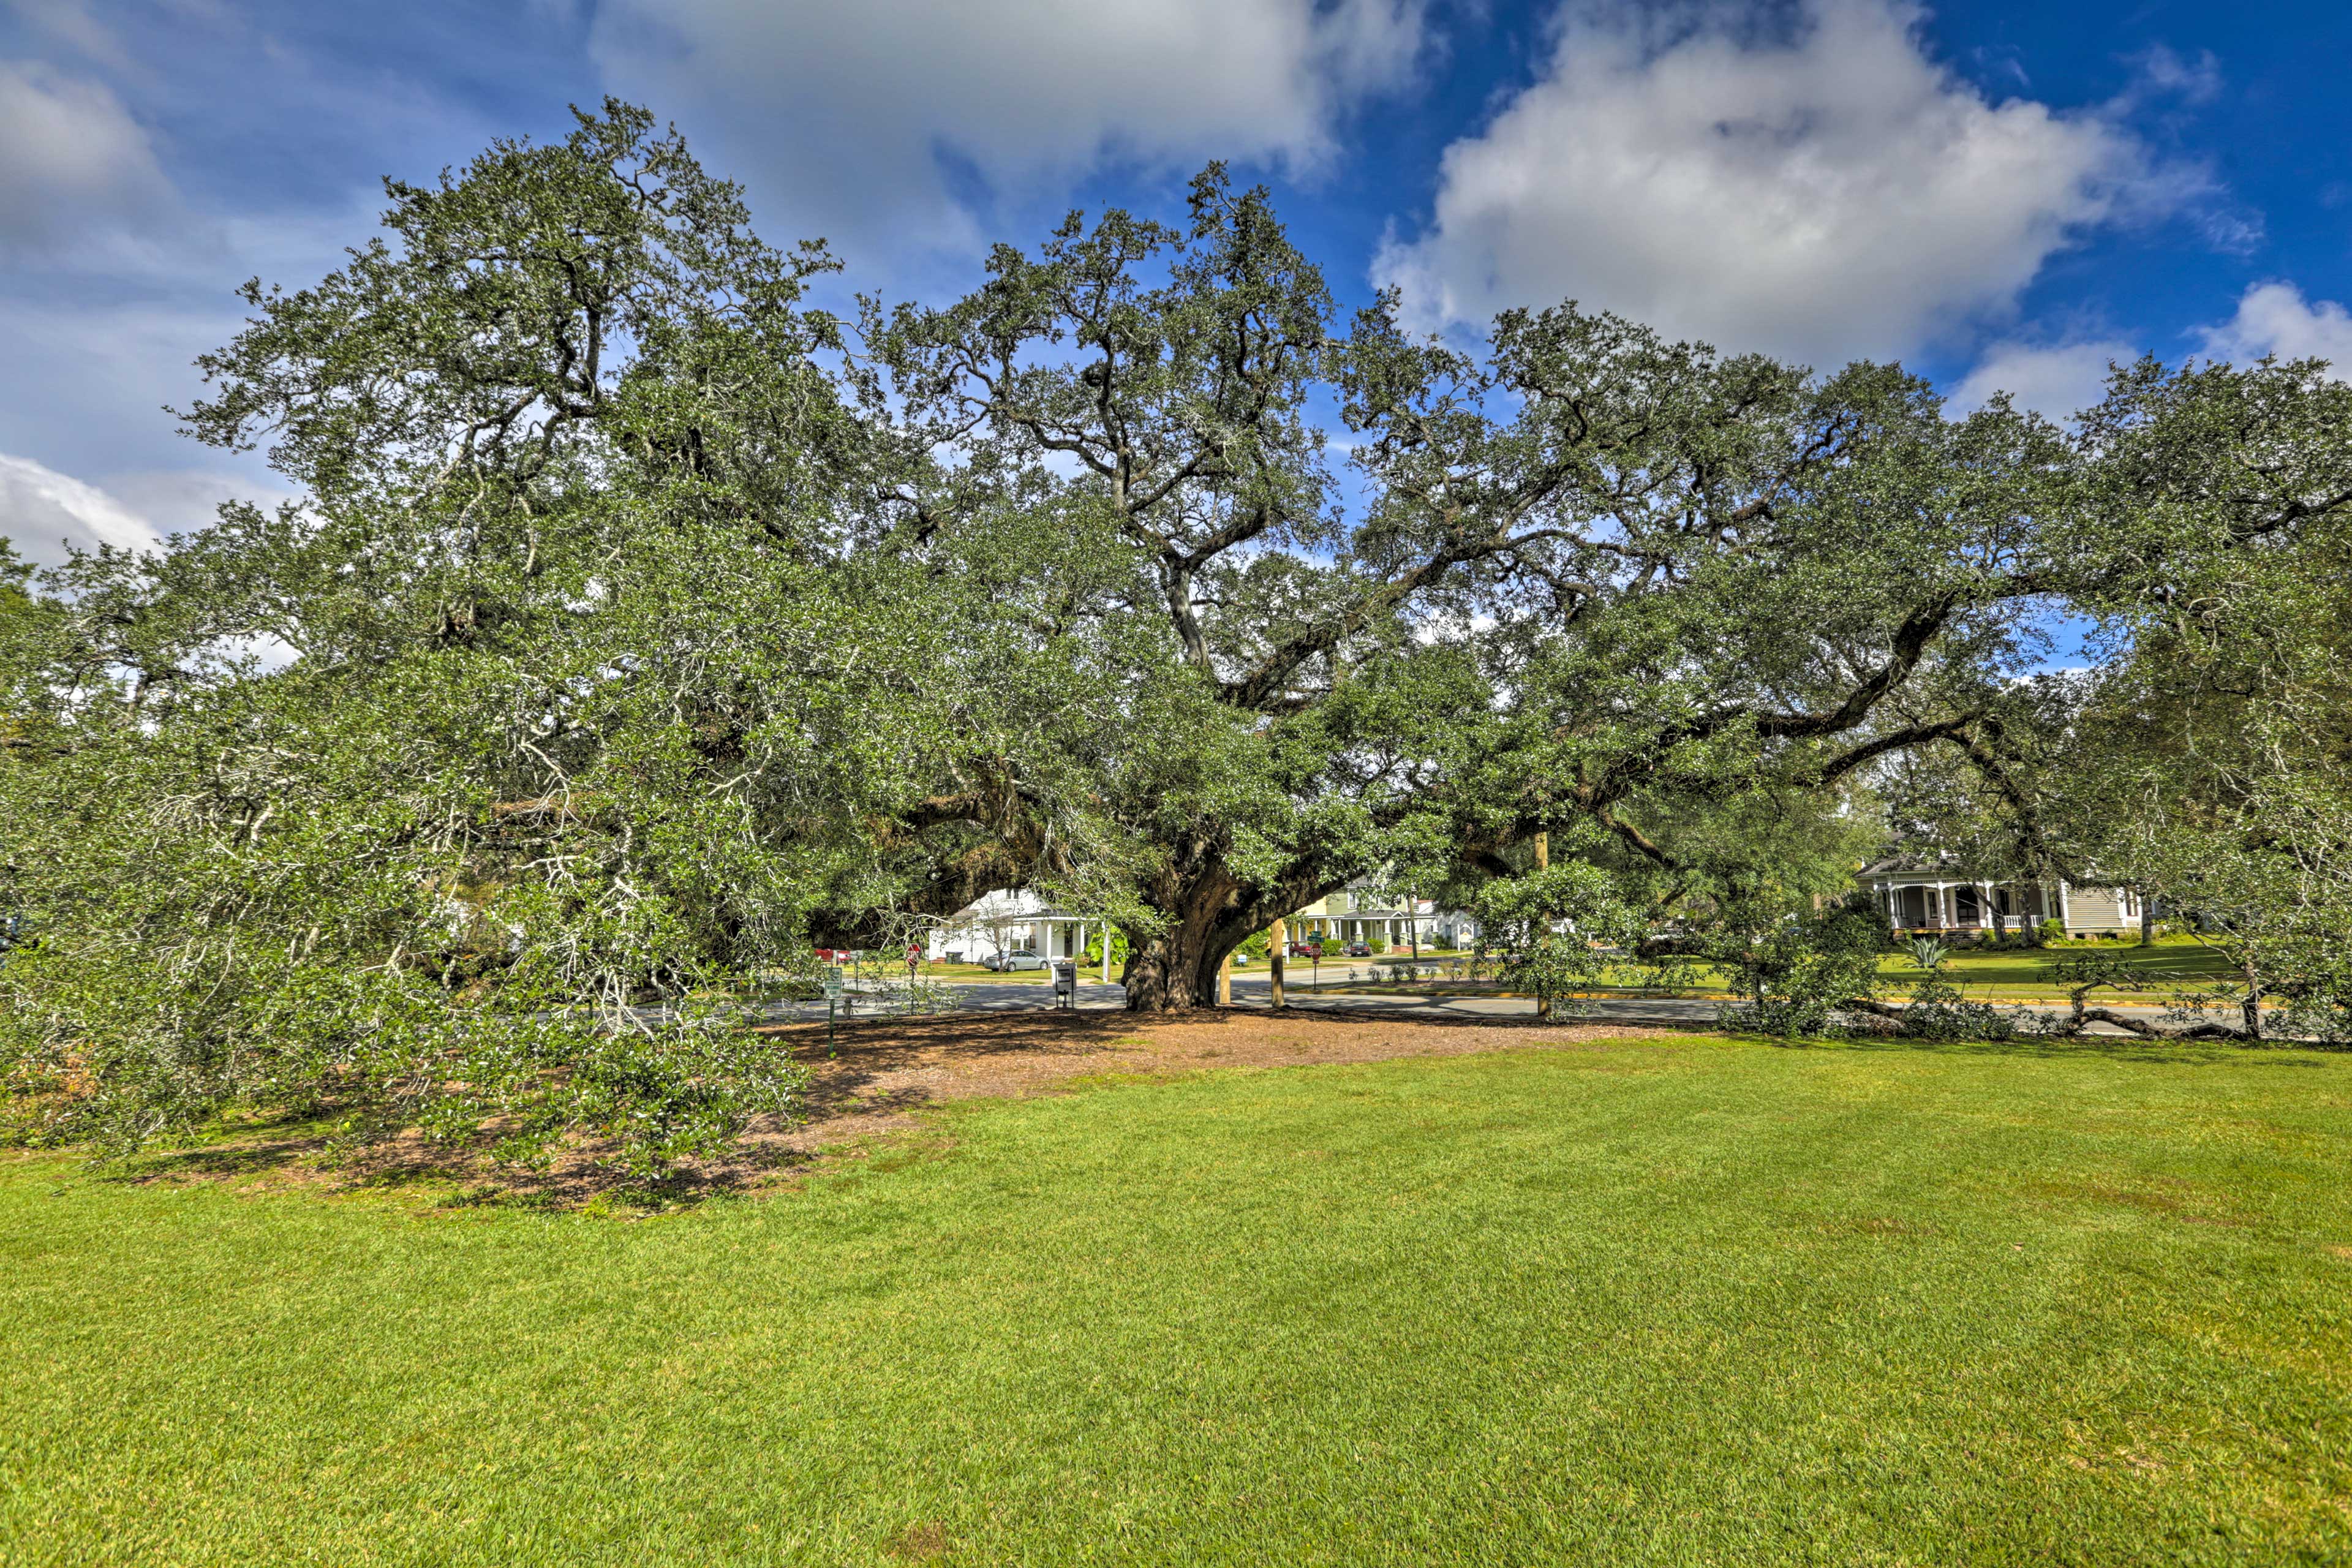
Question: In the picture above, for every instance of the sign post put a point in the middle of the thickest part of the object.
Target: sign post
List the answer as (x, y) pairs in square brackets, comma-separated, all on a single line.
[(833, 990)]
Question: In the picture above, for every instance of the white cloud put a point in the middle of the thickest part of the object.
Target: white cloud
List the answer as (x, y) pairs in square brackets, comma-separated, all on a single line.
[(70, 22), (2055, 380), (2275, 318), (43, 512), (1815, 186), (182, 500), (2195, 80), (72, 153), (855, 119)]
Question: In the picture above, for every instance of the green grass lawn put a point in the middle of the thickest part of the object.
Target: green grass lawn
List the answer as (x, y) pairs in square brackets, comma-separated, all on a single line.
[(1682, 1303), (2172, 959)]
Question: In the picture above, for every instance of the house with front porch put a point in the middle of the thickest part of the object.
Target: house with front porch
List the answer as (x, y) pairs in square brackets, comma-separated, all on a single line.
[(1933, 894), (1364, 911), (1008, 920)]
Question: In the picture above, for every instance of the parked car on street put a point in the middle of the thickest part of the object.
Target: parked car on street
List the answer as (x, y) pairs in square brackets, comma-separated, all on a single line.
[(1359, 949), (1306, 950), (1020, 958)]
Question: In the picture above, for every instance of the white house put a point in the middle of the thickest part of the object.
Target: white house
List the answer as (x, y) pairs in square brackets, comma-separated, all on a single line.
[(1361, 911), (1933, 893), (1008, 920)]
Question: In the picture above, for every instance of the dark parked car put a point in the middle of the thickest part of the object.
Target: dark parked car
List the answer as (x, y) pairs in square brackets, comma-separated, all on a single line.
[(1359, 949)]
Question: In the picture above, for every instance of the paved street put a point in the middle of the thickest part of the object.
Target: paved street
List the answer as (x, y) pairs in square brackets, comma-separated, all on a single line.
[(1254, 991)]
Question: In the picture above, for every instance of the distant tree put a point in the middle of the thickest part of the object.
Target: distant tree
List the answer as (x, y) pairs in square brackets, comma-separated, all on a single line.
[(1556, 928)]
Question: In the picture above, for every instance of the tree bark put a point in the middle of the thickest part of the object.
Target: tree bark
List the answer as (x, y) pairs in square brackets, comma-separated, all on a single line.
[(1203, 919), (1177, 969), (1207, 912)]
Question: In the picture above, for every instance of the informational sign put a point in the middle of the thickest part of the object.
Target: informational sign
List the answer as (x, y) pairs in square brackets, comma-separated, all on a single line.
[(833, 984), (1066, 983)]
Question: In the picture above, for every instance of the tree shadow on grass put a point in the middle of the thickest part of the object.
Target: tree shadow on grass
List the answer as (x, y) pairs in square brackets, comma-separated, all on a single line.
[(850, 1113), (458, 1175)]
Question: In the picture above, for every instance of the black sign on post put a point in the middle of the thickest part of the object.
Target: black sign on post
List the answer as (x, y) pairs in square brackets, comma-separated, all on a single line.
[(1066, 984)]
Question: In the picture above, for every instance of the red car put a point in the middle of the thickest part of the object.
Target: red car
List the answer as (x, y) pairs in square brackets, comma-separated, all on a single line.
[(1306, 950)]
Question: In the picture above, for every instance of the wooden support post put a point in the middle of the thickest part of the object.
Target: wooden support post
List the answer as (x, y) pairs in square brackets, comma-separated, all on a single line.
[(1277, 945), (1543, 862), (1225, 981)]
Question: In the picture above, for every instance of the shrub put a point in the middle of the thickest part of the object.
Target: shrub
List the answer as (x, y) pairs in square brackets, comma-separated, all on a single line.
[(1797, 972)]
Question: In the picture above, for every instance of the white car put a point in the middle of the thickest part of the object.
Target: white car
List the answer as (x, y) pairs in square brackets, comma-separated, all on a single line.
[(1020, 959)]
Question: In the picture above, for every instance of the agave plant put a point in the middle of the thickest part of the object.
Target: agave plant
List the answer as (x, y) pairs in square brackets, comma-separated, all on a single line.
[(1928, 953)]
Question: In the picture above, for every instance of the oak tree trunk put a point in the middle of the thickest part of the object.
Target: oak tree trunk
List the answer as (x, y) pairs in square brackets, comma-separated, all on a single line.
[(1207, 913), (1173, 970)]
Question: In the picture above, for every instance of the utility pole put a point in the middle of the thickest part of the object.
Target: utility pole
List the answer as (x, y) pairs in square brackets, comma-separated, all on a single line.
[(1277, 941), (1543, 863)]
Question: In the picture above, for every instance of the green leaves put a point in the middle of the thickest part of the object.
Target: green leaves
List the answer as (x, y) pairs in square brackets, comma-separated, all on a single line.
[(637, 626), (585, 699), (1799, 970), (1556, 927), (2208, 761)]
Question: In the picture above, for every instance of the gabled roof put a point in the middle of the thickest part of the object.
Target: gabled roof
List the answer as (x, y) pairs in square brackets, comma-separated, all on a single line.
[(1912, 861)]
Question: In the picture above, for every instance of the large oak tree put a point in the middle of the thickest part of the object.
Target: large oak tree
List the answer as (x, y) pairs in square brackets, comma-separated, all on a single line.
[(1579, 574)]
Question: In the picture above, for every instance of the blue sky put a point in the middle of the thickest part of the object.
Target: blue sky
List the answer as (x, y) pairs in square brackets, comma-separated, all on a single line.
[(1999, 193)]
